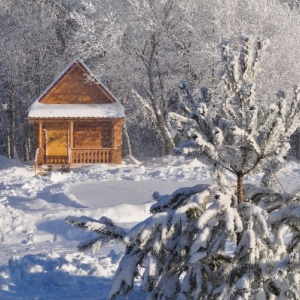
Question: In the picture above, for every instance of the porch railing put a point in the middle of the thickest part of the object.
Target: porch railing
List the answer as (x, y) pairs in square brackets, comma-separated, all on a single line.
[(56, 159), (75, 156), (91, 156)]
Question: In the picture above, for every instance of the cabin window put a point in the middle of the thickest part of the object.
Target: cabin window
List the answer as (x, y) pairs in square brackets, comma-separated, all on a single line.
[(90, 135)]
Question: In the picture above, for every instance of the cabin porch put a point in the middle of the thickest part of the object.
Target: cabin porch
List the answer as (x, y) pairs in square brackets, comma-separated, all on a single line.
[(61, 142)]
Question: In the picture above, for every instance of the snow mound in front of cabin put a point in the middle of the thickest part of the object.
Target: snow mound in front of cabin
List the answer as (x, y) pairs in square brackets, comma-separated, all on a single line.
[(54, 276), (50, 275), (8, 163)]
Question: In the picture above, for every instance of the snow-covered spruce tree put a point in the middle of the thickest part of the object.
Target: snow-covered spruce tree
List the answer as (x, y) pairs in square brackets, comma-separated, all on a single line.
[(237, 135), (201, 242), (187, 249)]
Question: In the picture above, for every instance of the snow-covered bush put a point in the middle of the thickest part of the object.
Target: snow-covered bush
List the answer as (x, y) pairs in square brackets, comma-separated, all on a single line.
[(211, 242)]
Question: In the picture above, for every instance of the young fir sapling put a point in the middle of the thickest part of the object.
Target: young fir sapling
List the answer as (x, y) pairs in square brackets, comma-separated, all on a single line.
[(238, 135)]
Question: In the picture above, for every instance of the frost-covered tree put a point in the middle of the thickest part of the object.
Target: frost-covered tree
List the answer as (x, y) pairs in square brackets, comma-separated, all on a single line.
[(237, 135), (204, 242)]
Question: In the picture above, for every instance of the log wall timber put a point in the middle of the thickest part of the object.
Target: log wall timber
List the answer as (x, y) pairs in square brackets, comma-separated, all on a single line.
[(92, 135)]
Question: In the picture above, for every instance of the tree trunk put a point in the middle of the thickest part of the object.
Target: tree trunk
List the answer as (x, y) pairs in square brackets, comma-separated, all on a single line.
[(27, 143), (127, 139), (157, 106), (240, 195), (160, 121), (240, 191), (297, 144), (10, 139)]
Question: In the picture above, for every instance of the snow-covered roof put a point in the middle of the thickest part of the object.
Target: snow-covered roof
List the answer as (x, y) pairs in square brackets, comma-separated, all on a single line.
[(110, 110)]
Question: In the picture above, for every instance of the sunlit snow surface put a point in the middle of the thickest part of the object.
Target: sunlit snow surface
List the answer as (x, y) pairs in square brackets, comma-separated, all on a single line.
[(38, 254)]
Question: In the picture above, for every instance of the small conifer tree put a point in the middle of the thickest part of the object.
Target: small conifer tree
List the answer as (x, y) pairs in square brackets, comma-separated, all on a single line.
[(238, 135)]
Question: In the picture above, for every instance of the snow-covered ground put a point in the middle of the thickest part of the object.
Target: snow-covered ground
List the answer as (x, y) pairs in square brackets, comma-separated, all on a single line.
[(38, 250)]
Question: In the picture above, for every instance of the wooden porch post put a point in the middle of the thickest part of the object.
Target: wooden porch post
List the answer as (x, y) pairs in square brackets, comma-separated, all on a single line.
[(118, 140), (114, 137), (40, 135), (70, 144)]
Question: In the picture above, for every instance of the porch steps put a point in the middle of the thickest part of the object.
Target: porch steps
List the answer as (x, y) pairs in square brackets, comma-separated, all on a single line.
[(46, 169)]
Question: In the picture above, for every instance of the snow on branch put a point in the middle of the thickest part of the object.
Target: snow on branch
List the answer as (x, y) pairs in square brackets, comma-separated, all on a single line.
[(179, 197), (104, 227)]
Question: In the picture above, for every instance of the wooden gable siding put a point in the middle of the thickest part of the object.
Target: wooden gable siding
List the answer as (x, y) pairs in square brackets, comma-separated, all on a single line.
[(76, 87)]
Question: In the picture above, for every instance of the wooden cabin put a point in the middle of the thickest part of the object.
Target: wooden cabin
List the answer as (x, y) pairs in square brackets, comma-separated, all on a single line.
[(77, 120)]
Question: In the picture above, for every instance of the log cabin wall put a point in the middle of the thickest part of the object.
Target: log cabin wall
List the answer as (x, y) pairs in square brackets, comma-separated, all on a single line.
[(94, 142), (93, 135)]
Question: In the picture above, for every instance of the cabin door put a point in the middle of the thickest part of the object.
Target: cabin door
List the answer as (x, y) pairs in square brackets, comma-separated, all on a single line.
[(56, 140)]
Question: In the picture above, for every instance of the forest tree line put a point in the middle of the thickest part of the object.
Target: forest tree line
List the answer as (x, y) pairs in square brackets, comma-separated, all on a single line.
[(141, 50)]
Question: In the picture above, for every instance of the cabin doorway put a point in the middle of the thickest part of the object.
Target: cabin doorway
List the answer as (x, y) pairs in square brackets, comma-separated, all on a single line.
[(56, 143)]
